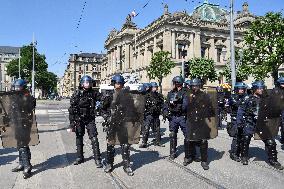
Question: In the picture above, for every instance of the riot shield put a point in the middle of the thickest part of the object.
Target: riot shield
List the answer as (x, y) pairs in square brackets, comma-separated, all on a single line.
[(202, 116), (18, 120), (268, 119), (127, 111)]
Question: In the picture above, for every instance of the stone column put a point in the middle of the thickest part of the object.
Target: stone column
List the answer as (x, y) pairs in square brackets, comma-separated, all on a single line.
[(173, 44), (127, 56), (167, 41), (191, 46), (146, 52), (177, 57), (155, 45), (118, 56), (212, 50), (197, 45)]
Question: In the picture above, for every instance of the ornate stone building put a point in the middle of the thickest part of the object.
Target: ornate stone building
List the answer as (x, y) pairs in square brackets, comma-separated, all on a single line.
[(204, 33), (78, 66)]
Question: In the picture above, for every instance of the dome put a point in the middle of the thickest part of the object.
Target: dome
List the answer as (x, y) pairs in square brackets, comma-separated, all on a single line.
[(210, 12)]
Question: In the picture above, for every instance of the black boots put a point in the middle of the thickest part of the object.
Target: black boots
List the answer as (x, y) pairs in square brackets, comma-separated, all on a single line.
[(173, 145), (96, 151), (270, 146), (204, 154), (20, 167), (245, 149), (109, 158), (145, 136), (80, 157), (235, 149), (25, 158), (126, 159), (188, 152)]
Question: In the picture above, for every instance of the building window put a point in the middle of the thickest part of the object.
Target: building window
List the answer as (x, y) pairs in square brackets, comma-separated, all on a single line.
[(87, 67), (181, 51), (203, 50), (219, 54)]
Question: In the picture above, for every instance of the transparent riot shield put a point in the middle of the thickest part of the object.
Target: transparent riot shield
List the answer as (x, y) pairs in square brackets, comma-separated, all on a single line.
[(202, 116), (18, 120), (127, 110), (268, 119)]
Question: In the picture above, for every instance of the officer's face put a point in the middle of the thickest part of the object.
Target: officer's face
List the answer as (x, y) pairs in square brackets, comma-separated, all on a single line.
[(259, 91), (195, 88), (154, 89), (177, 86), (241, 91), (18, 88), (282, 85), (118, 86), (86, 85)]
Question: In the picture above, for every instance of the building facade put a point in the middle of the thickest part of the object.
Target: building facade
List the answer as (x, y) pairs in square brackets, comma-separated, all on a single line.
[(78, 66), (203, 33), (7, 54)]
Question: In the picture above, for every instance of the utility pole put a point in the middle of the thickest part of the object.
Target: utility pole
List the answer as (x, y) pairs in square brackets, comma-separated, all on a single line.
[(232, 38), (19, 63), (33, 71)]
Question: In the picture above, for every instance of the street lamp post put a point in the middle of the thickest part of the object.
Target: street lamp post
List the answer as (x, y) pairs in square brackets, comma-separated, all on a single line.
[(33, 71), (232, 37)]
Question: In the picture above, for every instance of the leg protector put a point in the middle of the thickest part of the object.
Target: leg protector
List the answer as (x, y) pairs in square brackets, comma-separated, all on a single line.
[(245, 149), (80, 146), (270, 146), (173, 145), (96, 151), (126, 159), (20, 167), (26, 162), (109, 158)]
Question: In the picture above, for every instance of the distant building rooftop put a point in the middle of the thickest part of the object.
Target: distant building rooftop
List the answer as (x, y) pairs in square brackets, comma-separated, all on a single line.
[(9, 50), (91, 55)]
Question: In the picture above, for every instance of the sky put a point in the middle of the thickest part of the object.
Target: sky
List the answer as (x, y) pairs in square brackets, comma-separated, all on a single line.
[(56, 30)]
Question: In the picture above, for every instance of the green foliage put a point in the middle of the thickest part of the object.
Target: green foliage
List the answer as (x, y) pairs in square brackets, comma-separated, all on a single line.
[(43, 79), (242, 70), (265, 45), (202, 68), (160, 66)]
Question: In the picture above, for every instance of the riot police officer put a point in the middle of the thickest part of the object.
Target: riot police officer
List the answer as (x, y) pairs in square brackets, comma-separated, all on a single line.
[(110, 106), (82, 114), (24, 137), (221, 103), (190, 144), (174, 112), (280, 86), (235, 101), (247, 118), (153, 107)]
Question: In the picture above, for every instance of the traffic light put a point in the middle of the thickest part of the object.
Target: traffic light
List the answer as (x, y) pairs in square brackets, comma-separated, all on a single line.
[(186, 69)]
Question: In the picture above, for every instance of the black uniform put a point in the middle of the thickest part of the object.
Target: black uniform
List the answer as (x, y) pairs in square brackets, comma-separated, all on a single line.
[(114, 110), (234, 131), (82, 114), (173, 110), (153, 107), (247, 117)]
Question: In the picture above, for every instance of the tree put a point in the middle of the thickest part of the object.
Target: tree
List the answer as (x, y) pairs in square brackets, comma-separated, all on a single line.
[(202, 68), (243, 70), (160, 66), (265, 45), (44, 79)]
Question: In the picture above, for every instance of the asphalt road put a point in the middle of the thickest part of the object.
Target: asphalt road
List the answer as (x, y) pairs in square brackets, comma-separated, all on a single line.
[(52, 162)]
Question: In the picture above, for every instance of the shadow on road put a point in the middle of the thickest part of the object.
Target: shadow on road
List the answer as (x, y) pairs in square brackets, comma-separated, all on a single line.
[(258, 153), (59, 161), (4, 160), (7, 150), (214, 155)]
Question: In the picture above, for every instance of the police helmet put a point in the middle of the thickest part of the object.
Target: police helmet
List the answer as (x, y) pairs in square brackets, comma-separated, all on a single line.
[(196, 82), (154, 84), (86, 79), (117, 79), (280, 80), (188, 82), (178, 80), (240, 85), (147, 85), (258, 85), (19, 84)]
